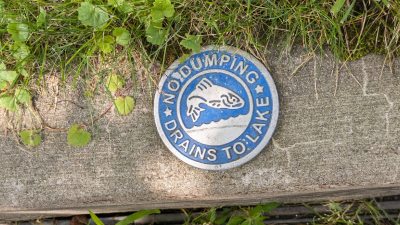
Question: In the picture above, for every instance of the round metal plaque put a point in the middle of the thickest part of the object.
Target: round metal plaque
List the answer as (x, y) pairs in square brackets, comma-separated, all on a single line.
[(217, 109)]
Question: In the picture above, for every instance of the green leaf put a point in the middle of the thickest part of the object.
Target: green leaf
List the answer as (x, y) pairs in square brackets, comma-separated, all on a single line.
[(347, 13), (161, 9), (20, 51), (91, 15), (192, 42), (155, 34), (337, 6), (137, 215), (255, 211), (125, 8), (122, 36), (115, 3), (78, 136), (235, 220), (19, 31), (124, 105), (1, 6), (223, 216), (268, 207), (95, 219), (23, 96), (106, 44), (41, 19), (8, 102), (8, 75), (30, 138), (114, 82)]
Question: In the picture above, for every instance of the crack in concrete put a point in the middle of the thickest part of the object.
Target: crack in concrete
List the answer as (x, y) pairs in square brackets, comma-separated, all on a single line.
[(315, 78), (365, 93), (288, 156), (286, 149)]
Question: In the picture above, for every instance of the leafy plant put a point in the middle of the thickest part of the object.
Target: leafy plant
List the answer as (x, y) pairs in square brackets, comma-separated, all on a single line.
[(156, 34), (78, 136), (41, 19), (252, 215), (129, 219), (114, 82), (23, 96), (192, 42), (122, 36), (8, 102), (124, 105), (161, 9), (106, 44), (30, 138), (95, 218), (137, 215), (19, 31), (92, 15)]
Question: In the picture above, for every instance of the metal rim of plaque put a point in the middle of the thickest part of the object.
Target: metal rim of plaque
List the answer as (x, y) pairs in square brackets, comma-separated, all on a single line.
[(217, 109)]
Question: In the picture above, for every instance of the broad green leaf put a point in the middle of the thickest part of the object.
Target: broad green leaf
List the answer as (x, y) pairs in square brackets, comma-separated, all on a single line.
[(8, 102), (192, 42), (161, 9), (137, 215), (235, 220), (8, 75), (125, 8), (337, 6), (121, 5), (124, 105), (77, 136), (19, 31), (91, 15), (41, 19), (122, 36), (114, 82), (116, 3), (106, 44), (20, 51), (30, 138), (155, 34), (23, 96), (95, 219)]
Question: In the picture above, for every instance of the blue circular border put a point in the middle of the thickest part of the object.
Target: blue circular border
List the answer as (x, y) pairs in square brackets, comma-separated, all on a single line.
[(254, 138)]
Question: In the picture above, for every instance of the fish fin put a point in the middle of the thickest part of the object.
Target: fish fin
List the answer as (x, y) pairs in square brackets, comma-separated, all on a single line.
[(204, 84), (194, 112)]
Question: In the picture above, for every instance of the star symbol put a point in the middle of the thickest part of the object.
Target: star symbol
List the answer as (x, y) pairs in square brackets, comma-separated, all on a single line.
[(168, 112), (259, 89)]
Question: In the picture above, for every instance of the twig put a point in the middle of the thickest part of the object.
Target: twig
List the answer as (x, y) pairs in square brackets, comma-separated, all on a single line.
[(309, 57), (44, 123), (103, 113), (66, 100)]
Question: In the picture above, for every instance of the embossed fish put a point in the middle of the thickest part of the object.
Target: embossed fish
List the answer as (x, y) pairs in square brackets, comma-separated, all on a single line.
[(212, 95)]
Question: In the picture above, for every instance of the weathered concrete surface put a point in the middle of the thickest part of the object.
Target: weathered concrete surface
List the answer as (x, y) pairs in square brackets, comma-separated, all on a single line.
[(336, 131)]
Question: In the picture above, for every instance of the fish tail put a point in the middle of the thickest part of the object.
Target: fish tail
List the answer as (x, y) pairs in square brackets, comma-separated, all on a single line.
[(194, 112)]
